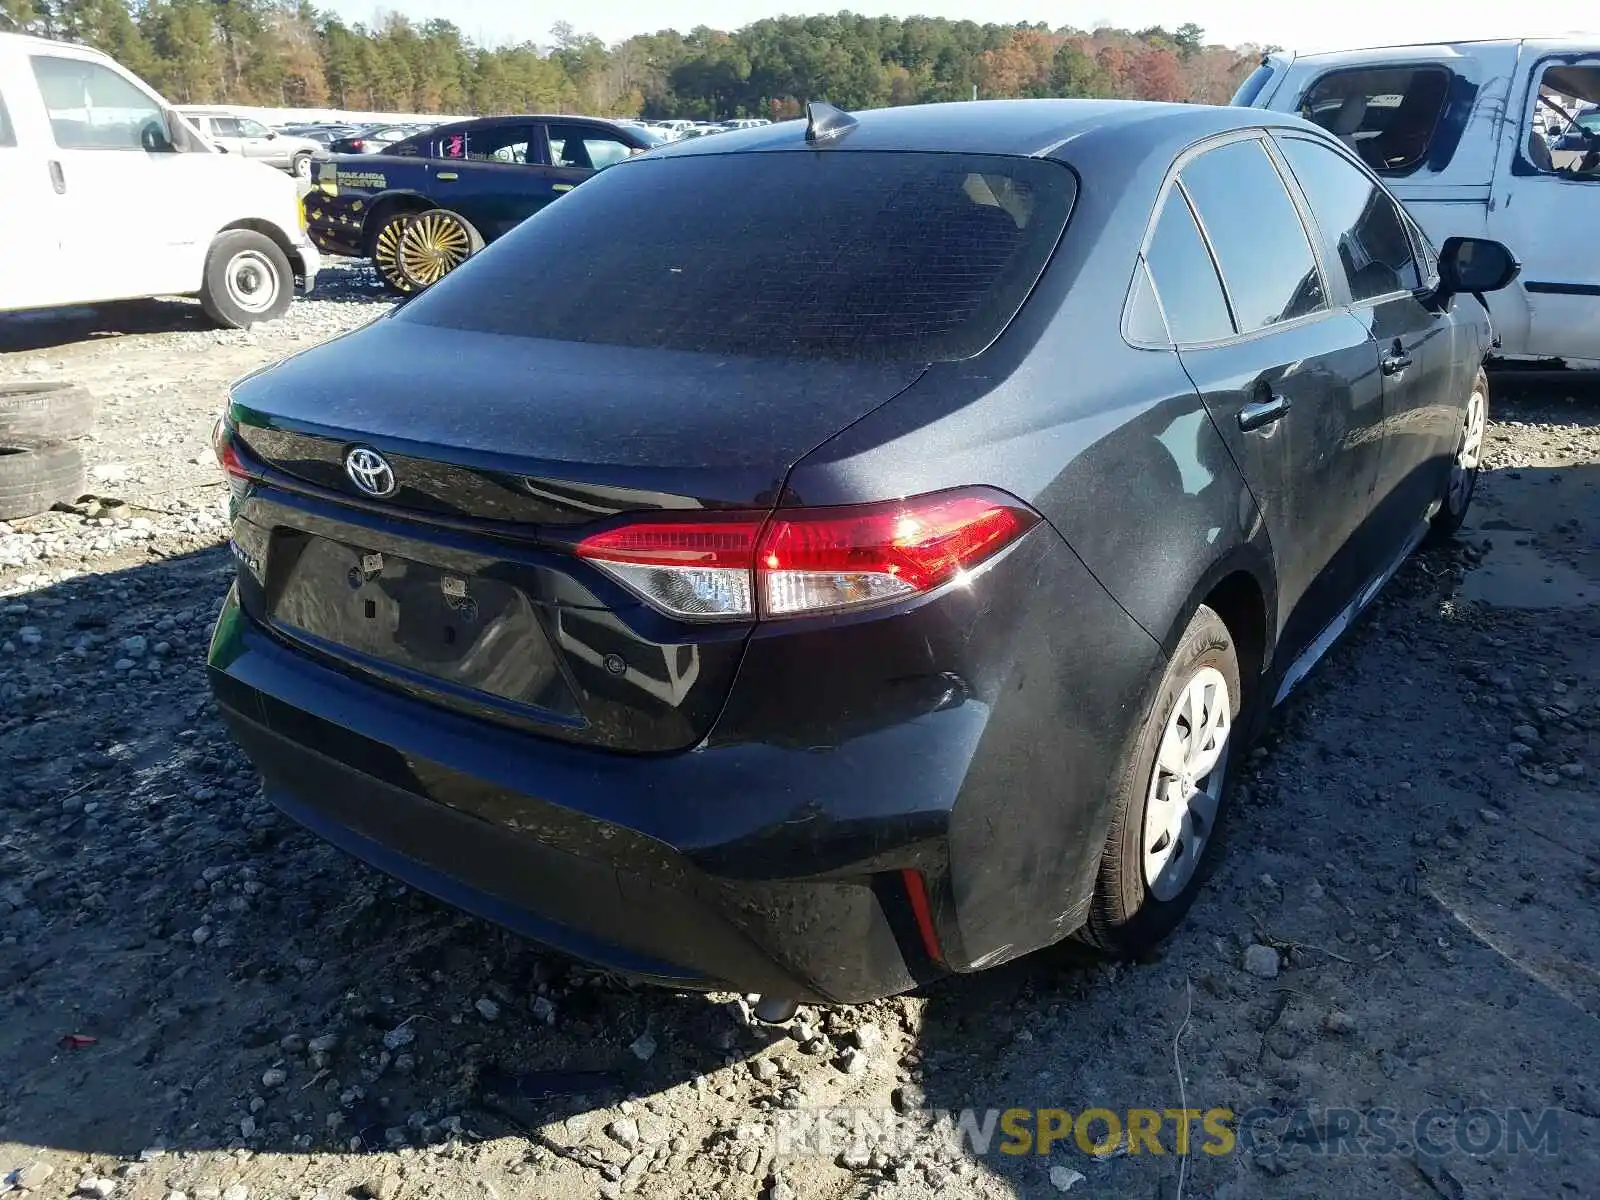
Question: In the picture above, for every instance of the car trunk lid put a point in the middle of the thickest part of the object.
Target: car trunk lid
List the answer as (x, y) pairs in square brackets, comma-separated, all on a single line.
[(459, 585)]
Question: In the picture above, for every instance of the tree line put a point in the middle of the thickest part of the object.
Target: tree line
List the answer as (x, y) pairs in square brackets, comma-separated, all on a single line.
[(287, 53)]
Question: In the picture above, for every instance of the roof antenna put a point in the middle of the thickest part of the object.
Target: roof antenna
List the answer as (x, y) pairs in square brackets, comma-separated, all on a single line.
[(824, 122)]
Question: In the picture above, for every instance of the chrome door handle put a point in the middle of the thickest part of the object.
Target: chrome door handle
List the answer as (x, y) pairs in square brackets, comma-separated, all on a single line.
[(1263, 412), (562, 187), (1393, 364), (447, 177)]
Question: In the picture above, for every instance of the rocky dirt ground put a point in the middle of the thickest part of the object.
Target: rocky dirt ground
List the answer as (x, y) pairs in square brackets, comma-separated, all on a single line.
[(198, 998)]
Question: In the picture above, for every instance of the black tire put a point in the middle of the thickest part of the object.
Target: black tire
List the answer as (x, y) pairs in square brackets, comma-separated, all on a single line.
[(434, 243), (300, 166), (1456, 502), (44, 412), (384, 246), (35, 478), (262, 282), (1126, 918)]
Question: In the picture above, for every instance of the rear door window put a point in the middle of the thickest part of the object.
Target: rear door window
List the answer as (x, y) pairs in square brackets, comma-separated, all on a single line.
[(511, 145), (855, 255), (585, 148), (1358, 217), (1185, 279), (1255, 231), (1387, 115)]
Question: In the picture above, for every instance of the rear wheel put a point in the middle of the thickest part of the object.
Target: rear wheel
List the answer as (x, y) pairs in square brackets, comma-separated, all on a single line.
[(385, 248), (248, 279), (1170, 796), (1463, 479), (435, 243)]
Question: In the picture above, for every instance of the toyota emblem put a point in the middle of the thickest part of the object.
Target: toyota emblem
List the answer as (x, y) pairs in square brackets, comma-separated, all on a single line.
[(369, 471)]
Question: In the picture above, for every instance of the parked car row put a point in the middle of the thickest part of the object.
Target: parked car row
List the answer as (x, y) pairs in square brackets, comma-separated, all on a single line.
[(672, 131)]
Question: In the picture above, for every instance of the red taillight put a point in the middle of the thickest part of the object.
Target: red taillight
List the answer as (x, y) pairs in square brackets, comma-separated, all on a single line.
[(227, 455), (838, 558), (800, 561), (358, 145)]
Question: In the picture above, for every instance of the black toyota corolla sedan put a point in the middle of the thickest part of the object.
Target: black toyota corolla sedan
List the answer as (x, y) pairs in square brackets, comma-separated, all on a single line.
[(819, 558)]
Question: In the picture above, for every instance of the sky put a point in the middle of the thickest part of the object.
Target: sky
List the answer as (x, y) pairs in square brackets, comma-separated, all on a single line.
[(1294, 24)]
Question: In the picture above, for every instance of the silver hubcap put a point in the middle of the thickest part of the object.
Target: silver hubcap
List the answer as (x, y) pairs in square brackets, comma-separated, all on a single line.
[(1186, 785), (252, 283), (302, 168), (1464, 471)]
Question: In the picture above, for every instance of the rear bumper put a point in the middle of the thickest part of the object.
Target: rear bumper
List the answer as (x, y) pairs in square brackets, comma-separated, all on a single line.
[(306, 262), (623, 861), (773, 857)]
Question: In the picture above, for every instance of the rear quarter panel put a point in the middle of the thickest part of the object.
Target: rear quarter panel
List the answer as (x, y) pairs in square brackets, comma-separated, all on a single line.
[(1114, 447)]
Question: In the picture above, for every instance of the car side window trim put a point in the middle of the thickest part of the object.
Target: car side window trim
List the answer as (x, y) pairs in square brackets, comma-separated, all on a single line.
[(1372, 176), (1172, 182), (1336, 298)]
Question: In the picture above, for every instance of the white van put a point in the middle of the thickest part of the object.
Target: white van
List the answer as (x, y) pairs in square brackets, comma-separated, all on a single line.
[(1482, 139), (110, 195)]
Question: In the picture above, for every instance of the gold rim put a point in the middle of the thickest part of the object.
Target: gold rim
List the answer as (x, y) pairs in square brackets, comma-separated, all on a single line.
[(385, 252), (431, 246)]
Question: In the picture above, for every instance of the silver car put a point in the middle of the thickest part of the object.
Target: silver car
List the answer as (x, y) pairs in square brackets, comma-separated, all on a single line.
[(249, 138)]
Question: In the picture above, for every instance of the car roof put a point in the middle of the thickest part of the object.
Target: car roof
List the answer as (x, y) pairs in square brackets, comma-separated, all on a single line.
[(1033, 128), (1443, 46)]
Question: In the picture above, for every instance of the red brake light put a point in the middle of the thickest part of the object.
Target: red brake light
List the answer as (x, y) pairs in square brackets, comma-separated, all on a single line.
[(837, 558), (802, 561)]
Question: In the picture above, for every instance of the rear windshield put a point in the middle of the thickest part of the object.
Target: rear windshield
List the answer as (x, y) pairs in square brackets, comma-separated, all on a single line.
[(836, 254), (1251, 87)]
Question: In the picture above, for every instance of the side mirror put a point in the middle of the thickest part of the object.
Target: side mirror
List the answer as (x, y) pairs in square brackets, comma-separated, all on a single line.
[(272, 135), (1468, 264), (155, 138)]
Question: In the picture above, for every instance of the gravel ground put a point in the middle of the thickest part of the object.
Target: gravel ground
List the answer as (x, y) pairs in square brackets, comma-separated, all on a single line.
[(199, 998)]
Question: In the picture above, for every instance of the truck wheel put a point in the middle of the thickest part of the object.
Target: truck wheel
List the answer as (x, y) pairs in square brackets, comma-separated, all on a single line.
[(44, 412), (36, 477), (435, 243), (385, 247), (300, 166), (248, 279)]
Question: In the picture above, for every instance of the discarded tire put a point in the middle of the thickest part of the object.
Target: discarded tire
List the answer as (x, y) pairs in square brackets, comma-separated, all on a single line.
[(34, 478), (44, 412)]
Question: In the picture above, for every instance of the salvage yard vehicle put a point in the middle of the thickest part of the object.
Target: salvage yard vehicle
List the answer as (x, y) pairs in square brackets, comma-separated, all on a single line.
[(249, 138), (111, 195), (425, 204), (1460, 133), (875, 566)]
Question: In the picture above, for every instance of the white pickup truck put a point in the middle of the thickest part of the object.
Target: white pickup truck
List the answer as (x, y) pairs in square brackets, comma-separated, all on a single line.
[(1481, 139), (111, 195)]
